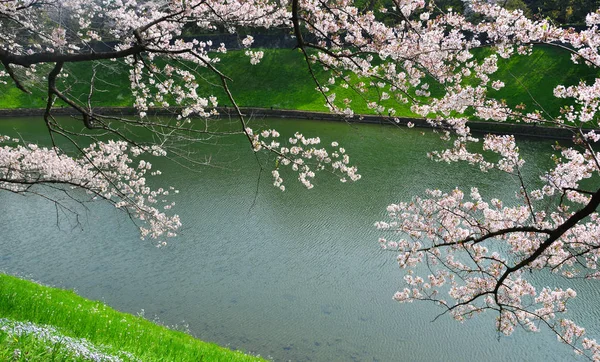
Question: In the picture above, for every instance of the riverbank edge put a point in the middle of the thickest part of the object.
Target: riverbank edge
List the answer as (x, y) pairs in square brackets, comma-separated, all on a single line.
[(57, 309), (528, 130)]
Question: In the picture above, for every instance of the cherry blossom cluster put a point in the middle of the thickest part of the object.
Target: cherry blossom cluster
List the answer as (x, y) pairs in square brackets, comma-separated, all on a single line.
[(105, 170), (458, 250), (403, 57), (301, 154)]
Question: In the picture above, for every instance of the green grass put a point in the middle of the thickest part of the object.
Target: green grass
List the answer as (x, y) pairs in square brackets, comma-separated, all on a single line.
[(531, 79), (282, 81), (111, 332)]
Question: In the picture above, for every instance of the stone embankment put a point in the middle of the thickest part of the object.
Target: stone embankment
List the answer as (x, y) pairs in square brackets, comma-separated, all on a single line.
[(530, 130)]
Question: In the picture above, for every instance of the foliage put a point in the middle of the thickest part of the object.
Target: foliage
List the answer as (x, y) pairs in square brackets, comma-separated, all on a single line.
[(563, 11), (517, 5)]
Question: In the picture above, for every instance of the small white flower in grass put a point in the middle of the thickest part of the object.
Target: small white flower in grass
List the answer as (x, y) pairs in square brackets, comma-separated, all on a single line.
[(79, 347)]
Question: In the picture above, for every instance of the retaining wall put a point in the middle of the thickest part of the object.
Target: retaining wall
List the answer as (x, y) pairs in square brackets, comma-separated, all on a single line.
[(530, 130)]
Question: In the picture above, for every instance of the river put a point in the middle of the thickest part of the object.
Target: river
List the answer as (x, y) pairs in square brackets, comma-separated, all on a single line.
[(295, 275)]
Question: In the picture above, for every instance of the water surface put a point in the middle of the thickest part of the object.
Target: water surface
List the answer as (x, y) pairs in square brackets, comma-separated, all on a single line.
[(295, 275)]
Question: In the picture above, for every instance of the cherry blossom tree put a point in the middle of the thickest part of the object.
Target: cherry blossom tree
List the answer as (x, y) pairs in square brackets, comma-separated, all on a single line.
[(38, 39), (461, 251)]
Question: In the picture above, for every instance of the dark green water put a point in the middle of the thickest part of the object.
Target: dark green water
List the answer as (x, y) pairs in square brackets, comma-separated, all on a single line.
[(294, 276)]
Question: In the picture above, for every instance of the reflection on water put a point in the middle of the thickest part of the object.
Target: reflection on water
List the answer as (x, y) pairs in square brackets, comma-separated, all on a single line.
[(296, 275)]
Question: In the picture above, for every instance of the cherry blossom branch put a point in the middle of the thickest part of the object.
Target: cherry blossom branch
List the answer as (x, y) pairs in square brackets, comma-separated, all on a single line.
[(553, 236)]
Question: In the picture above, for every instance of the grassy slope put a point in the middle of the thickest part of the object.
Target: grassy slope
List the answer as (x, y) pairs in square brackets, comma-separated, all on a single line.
[(282, 81), (75, 316), (534, 77)]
